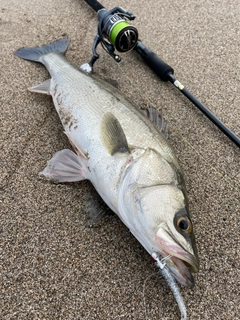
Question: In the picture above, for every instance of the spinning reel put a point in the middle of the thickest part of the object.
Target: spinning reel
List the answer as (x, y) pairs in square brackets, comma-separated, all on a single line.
[(114, 32)]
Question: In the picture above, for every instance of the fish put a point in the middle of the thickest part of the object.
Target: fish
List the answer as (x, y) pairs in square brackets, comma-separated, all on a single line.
[(124, 155)]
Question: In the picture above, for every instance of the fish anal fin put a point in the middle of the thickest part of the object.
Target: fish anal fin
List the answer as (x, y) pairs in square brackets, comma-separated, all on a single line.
[(65, 166), (113, 135), (43, 87)]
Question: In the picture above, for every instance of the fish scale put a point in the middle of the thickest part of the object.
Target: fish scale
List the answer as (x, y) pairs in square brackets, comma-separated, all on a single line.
[(127, 159), (99, 98)]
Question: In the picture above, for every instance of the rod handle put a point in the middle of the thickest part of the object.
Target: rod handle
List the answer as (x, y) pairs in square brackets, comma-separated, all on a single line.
[(95, 5), (161, 68)]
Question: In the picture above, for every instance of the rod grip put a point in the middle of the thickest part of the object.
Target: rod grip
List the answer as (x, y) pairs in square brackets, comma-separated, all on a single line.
[(161, 68), (95, 5)]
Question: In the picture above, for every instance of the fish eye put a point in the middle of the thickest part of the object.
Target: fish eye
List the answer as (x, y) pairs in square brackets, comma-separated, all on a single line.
[(184, 224)]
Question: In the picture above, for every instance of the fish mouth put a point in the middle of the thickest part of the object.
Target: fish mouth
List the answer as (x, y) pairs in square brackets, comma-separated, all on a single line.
[(181, 263)]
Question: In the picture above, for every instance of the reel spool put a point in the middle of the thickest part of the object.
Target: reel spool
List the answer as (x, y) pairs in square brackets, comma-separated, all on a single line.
[(114, 27)]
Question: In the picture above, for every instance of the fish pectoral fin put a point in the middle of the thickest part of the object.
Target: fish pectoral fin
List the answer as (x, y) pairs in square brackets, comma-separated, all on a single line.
[(65, 166), (112, 135), (43, 87)]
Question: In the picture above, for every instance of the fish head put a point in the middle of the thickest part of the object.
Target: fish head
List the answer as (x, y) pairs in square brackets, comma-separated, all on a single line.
[(157, 214), (170, 229)]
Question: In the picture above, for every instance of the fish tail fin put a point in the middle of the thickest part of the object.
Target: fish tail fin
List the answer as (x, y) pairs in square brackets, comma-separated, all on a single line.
[(36, 53)]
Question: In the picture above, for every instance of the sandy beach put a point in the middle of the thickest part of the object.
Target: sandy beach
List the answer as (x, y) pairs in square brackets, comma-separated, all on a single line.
[(52, 265)]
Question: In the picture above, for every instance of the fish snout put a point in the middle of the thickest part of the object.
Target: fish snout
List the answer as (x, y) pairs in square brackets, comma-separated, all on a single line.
[(181, 262)]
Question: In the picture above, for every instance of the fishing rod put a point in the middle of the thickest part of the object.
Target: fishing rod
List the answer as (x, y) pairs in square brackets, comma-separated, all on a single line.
[(115, 32)]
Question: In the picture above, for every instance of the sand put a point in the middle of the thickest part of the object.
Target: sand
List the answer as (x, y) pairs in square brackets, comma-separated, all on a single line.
[(52, 266)]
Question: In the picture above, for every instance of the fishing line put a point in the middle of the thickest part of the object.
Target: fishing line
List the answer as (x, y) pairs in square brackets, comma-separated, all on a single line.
[(143, 292), (161, 263), (185, 140)]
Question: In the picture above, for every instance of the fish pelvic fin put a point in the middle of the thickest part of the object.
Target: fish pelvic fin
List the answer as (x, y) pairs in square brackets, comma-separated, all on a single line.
[(65, 166), (113, 135), (35, 53)]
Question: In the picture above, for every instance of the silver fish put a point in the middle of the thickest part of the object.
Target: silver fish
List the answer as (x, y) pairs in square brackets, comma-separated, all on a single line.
[(125, 157)]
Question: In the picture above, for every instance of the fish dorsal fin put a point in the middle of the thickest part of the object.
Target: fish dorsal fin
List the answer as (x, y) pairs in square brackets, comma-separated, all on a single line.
[(156, 117), (113, 135), (43, 87)]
